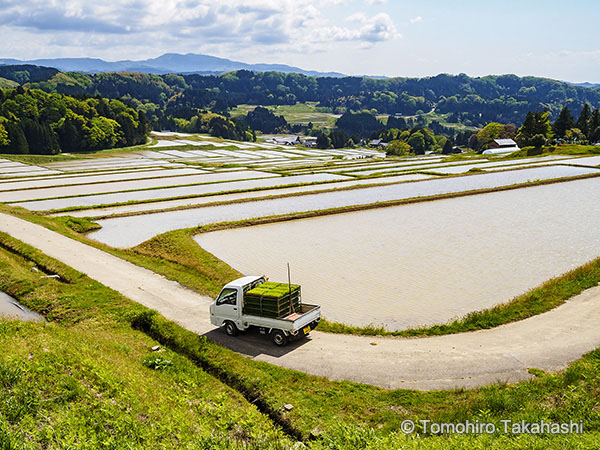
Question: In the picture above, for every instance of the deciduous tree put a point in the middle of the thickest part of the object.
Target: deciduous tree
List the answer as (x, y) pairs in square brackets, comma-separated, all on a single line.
[(417, 142), (398, 148)]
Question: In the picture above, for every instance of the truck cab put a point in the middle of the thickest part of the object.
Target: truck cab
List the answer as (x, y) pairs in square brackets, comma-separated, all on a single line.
[(228, 306)]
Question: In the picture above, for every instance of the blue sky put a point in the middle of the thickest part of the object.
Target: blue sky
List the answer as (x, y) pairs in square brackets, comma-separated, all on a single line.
[(378, 37)]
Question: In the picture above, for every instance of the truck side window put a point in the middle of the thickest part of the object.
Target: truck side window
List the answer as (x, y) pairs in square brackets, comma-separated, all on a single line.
[(227, 297)]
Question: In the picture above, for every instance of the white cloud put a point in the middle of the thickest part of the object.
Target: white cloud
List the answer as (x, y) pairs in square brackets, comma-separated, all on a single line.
[(228, 27), (371, 29), (417, 19), (373, 2), (357, 17)]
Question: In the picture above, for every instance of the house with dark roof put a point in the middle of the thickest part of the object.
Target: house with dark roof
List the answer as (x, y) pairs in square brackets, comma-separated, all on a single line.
[(378, 143)]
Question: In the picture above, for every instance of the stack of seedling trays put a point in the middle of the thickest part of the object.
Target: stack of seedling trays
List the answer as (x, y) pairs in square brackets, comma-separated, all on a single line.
[(274, 300)]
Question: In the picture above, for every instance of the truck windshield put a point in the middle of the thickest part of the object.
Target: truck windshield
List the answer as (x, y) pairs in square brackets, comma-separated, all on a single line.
[(227, 297)]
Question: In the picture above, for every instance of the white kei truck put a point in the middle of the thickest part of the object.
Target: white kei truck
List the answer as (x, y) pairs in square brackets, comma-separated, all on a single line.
[(275, 309)]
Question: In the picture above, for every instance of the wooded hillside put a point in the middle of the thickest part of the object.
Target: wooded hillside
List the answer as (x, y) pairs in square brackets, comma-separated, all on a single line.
[(471, 101)]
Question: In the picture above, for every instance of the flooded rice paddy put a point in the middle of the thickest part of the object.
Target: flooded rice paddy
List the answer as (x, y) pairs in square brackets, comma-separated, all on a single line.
[(66, 180), (129, 185), (130, 231), (265, 180), (424, 263), (141, 207)]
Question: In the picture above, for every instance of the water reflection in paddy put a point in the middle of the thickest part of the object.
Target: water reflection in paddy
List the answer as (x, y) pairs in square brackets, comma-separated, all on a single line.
[(424, 263), (258, 180), (130, 231), (96, 178), (140, 207)]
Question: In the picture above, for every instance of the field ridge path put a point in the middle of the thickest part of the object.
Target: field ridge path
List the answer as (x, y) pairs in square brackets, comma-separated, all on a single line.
[(549, 341)]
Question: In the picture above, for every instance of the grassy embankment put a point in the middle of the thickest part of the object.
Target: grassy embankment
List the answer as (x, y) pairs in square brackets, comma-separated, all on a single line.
[(150, 188), (154, 173), (300, 215), (176, 255), (89, 380)]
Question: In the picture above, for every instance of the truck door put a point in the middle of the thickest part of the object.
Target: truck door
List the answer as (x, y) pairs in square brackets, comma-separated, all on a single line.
[(226, 304)]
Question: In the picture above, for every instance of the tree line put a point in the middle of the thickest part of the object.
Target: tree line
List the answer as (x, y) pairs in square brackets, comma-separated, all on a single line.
[(33, 121)]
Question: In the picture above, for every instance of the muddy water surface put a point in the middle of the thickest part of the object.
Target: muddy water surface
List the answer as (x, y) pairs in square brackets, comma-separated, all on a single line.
[(424, 263)]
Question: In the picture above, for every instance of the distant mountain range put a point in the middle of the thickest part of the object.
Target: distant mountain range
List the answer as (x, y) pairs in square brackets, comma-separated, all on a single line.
[(586, 85), (167, 63)]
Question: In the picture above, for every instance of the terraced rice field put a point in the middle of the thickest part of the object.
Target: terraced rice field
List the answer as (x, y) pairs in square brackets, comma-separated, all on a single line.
[(127, 231), (182, 181)]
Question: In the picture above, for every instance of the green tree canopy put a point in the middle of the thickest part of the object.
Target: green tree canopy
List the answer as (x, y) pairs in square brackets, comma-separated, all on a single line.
[(264, 120), (323, 141), (575, 136), (339, 138), (417, 142), (594, 136), (398, 148), (41, 123), (448, 147), (362, 123), (564, 122), (536, 123), (583, 123), (4, 141)]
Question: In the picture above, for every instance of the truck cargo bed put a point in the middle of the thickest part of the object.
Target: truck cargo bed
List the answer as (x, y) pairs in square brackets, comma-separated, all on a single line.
[(275, 300)]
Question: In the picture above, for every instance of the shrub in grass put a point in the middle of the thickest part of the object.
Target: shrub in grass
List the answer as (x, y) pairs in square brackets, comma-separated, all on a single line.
[(157, 362)]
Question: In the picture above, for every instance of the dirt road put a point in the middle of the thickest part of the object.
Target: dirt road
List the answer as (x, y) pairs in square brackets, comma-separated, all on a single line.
[(548, 341)]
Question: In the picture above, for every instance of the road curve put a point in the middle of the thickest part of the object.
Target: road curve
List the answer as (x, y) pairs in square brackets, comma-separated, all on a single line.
[(549, 341)]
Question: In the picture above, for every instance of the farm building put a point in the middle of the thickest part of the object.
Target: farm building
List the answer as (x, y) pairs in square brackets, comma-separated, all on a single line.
[(499, 146)]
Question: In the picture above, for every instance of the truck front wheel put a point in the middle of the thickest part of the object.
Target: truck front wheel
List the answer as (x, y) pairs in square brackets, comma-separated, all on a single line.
[(230, 328), (279, 338)]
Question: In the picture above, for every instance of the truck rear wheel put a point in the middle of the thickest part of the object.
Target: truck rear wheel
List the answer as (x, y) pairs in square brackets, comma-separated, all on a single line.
[(230, 328), (279, 338)]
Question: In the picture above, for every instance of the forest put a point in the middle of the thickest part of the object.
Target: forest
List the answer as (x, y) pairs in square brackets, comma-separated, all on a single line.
[(470, 101), (33, 121)]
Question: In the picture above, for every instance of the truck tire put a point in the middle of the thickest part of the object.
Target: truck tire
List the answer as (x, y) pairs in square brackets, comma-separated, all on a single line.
[(230, 328), (279, 338)]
